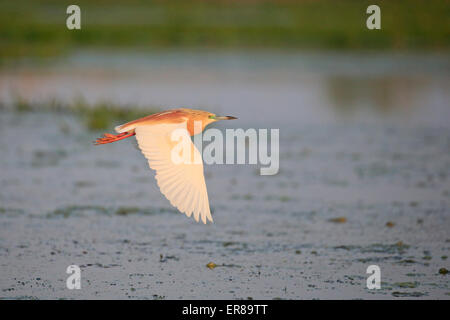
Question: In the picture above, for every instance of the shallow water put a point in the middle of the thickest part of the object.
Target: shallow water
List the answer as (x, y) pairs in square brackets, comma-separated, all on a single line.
[(364, 179)]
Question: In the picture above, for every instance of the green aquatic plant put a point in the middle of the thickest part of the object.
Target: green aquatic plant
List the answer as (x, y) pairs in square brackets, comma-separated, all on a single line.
[(104, 114), (443, 271), (406, 284), (97, 116)]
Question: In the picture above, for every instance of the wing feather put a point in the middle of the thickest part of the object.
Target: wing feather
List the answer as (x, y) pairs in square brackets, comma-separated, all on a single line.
[(182, 184)]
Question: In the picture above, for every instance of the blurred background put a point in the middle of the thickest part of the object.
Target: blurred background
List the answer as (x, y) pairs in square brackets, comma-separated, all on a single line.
[(315, 57), (364, 150)]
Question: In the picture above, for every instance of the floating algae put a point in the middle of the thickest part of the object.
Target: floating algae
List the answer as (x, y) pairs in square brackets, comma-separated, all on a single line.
[(443, 271), (390, 224), (338, 220), (406, 284)]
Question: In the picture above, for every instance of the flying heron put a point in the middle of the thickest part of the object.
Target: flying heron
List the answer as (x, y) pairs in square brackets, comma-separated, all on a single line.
[(183, 184)]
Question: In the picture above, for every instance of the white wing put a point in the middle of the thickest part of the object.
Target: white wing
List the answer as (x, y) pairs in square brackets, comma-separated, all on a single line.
[(183, 184)]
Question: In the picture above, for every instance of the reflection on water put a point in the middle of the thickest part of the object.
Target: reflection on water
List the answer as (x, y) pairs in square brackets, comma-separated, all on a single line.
[(380, 94), (302, 88)]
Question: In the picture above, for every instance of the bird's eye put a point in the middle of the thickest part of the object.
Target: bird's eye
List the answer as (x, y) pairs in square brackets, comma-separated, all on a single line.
[(211, 117)]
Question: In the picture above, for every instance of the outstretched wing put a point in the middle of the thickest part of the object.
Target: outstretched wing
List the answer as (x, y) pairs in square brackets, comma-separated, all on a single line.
[(183, 184)]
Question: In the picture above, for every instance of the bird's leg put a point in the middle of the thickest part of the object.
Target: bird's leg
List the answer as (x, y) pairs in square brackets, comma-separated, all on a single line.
[(108, 138)]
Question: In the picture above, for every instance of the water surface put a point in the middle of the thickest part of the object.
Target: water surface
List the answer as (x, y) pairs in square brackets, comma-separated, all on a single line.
[(364, 169)]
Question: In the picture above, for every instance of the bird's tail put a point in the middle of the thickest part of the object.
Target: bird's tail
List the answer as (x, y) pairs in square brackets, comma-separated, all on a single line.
[(108, 138)]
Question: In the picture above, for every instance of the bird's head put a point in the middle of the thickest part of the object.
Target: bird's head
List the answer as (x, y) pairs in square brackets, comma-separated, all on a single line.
[(211, 117), (205, 117), (214, 117)]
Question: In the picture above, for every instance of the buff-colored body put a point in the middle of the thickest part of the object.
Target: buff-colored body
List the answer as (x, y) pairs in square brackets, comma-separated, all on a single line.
[(172, 116)]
